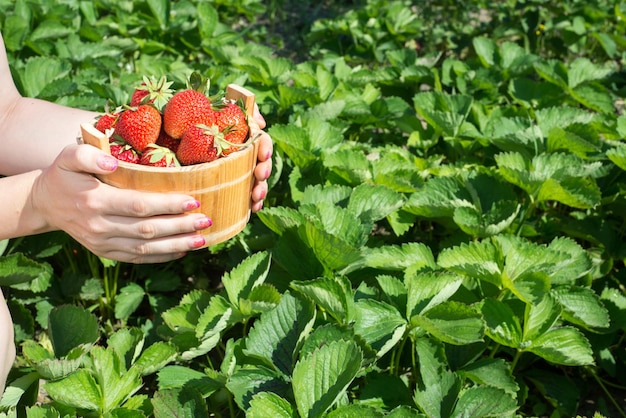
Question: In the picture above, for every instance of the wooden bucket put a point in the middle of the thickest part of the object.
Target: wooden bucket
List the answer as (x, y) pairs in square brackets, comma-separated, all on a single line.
[(223, 187)]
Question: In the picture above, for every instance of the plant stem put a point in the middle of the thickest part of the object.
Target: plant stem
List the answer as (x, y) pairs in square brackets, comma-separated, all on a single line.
[(518, 354), (607, 393)]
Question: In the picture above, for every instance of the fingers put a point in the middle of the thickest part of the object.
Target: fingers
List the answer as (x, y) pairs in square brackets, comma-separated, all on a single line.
[(86, 159), (260, 120)]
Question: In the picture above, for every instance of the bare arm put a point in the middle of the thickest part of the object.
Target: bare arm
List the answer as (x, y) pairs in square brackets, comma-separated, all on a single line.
[(33, 131)]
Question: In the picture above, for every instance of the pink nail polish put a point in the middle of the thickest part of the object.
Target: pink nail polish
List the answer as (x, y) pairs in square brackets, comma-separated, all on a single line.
[(267, 174), (263, 194), (268, 155), (203, 223), (191, 205), (106, 162), (198, 242)]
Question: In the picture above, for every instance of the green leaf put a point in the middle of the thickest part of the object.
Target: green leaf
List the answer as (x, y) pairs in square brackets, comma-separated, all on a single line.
[(244, 383), (478, 402), (322, 377), (155, 357), (295, 142), (427, 290), (582, 70), (84, 326), (16, 389), (582, 306), (170, 377), (277, 334), (333, 251), (179, 403), (566, 346), (502, 325), (251, 272), (372, 203), (380, 324), (574, 192), (486, 49), (617, 155), (334, 295), (78, 390), (399, 257), (539, 318), (438, 398), (439, 197), (492, 372), (349, 165), (480, 260), (41, 71), (127, 344), (128, 300), (279, 219), (268, 404), (324, 334), (355, 411), (561, 117), (17, 268), (445, 112), (184, 317), (452, 322), (161, 11), (116, 384)]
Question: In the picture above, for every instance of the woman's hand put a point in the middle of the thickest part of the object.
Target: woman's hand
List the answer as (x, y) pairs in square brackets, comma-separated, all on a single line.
[(124, 225), (264, 165)]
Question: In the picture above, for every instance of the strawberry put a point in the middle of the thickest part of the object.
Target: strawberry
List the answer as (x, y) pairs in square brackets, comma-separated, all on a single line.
[(198, 145), (139, 126), (167, 141), (186, 108), (124, 152), (108, 119), (158, 156), (152, 91), (232, 122)]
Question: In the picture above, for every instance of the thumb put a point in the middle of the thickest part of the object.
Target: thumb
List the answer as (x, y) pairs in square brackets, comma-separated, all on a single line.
[(87, 159)]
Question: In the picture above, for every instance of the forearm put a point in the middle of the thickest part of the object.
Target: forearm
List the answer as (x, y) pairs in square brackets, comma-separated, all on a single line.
[(34, 133), (17, 212), (7, 345)]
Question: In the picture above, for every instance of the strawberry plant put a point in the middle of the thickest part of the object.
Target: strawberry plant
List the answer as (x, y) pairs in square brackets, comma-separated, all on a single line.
[(442, 236)]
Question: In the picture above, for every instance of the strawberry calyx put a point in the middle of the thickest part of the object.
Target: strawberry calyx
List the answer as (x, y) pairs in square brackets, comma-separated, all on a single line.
[(158, 155), (157, 91)]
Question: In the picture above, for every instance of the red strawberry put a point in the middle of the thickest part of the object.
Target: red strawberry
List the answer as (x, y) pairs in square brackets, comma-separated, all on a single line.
[(198, 145), (186, 108), (158, 156), (152, 91), (167, 141), (139, 126), (124, 152), (232, 122), (107, 121)]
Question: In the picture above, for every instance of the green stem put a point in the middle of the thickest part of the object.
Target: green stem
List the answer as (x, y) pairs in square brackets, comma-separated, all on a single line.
[(397, 355), (607, 393), (525, 213), (518, 354)]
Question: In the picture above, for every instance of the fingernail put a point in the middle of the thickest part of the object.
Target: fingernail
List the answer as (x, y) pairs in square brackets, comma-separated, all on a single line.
[(263, 194), (106, 162), (197, 242), (203, 223), (268, 155), (267, 174), (191, 205)]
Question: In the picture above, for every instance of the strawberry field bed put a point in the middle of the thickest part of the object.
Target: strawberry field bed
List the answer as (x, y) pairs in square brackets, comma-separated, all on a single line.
[(443, 236)]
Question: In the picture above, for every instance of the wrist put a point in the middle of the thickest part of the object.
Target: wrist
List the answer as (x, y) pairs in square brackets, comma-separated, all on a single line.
[(35, 207)]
